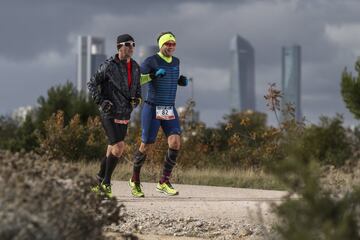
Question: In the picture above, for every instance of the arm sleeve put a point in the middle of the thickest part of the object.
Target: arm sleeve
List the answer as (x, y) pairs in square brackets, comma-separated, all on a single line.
[(147, 69), (95, 83)]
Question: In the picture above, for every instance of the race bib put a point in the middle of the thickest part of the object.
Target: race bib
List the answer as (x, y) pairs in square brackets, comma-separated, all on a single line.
[(165, 112), (120, 121)]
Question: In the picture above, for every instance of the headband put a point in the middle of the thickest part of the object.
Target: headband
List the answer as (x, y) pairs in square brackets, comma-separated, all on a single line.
[(166, 37)]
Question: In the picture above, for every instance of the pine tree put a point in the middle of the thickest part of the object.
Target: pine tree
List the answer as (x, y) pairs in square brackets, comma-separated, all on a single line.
[(67, 99), (350, 90)]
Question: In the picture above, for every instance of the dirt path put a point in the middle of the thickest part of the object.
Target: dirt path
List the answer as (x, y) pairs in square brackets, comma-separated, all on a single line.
[(198, 211)]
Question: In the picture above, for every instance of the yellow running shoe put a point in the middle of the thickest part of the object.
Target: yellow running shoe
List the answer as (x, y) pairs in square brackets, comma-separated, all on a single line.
[(166, 188), (96, 189), (106, 188), (136, 189)]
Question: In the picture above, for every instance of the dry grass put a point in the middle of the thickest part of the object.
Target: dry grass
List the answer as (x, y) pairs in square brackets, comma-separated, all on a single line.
[(230, 178), (212, 177), (342, 179)]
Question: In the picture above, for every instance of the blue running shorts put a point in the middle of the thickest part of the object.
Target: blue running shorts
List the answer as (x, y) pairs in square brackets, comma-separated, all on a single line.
[(150, 125)]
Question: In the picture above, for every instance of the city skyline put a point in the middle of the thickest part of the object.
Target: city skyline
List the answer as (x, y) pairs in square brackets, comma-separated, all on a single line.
[(326, 30)]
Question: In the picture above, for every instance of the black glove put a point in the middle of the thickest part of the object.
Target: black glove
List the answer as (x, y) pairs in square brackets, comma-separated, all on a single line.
[(135, 102), (183, 81), (106, 106)]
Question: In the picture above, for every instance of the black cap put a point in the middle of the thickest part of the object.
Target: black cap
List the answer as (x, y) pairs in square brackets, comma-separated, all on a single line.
[(124, 38)]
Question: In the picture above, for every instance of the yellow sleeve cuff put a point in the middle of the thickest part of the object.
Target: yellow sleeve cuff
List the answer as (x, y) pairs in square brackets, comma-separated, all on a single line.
[(144, 78)]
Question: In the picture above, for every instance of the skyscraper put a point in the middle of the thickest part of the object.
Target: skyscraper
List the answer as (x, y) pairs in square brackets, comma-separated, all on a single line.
[(144, 52), (91, 53), (242, 75), (291, 80)]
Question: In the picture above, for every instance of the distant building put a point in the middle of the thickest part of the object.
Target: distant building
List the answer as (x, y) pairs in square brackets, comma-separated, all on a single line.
[(143, 53), (291, 80), (91, 53), (20, 113), (242, 75)]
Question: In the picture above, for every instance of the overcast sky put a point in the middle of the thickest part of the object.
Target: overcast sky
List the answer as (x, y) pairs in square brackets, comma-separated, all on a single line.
[(38, 45)]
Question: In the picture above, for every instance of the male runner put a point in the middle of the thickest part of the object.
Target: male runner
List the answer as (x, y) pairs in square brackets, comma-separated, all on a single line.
[(161, 73), (115, 87)]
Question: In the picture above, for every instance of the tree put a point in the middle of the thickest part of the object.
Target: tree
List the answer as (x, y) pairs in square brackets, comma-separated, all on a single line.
[(328, 141), (16, 136), (67, 99), (350, 89), (8, 127)]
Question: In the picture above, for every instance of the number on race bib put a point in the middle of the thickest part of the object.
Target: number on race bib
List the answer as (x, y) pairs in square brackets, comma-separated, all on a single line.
[(165, 112)]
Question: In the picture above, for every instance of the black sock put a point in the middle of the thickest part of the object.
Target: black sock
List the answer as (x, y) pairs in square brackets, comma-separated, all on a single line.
[(111, 162), (101, 173)]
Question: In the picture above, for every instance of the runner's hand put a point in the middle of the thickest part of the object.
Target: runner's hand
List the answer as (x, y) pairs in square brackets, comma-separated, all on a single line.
[(158, 73), (183, 81), (106, 106), (135, 102)]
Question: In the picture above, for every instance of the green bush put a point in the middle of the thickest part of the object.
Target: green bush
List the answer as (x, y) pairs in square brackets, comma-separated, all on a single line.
[(67, 99), (350, 87), (328, 141), (15, 136), (8, 128), (310, 211)]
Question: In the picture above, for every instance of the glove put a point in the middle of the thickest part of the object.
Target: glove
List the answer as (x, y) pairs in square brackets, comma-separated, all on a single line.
[(158, 73), (183, 81), (106, 106), (135, 102)]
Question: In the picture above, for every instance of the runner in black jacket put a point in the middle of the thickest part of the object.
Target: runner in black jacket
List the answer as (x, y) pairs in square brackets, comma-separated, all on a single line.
[(115, 87)]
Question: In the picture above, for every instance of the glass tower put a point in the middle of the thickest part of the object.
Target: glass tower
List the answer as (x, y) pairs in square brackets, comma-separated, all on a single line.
[(91, 53), (291, 80), (144, 52), (242, 75)]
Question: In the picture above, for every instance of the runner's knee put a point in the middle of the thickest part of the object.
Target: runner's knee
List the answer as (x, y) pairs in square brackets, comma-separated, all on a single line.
[(174, 142), (117, 149), (144, 148)]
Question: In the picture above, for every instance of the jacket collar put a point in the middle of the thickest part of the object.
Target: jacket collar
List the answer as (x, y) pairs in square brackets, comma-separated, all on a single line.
[(116, 59)]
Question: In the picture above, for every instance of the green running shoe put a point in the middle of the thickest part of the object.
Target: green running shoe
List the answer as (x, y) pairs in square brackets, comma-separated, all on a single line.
[(136, 189), (106, 188), (166, 188), (96, 189)]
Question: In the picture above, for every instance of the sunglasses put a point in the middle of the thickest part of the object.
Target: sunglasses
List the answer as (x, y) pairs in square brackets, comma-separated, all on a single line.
[(169, 44), (127, 44)]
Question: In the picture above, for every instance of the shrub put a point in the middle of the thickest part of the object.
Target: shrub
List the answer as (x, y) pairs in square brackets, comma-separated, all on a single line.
[(328, 141), (67, 99), (309, 211), (350, 87), (73, 141), (16, 136), (42, 199)]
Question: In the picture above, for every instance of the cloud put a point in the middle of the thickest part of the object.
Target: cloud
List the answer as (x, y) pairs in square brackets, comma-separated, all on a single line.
[(38, 44), (346, 36), (22, 83)]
